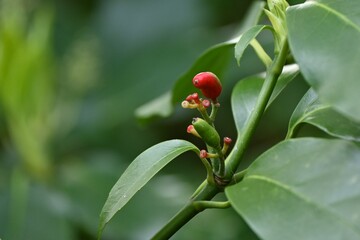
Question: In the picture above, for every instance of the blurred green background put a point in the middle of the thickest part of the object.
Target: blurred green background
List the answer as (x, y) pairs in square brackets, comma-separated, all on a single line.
[(72, 74)]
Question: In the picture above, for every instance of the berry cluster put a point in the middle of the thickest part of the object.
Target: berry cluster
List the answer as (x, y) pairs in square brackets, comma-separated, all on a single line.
[(214, 157)]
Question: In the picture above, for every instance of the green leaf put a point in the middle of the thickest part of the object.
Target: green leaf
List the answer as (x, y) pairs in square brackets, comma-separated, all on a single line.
[(245, 94), (303, 188), (139, 172), (324, 38), (214, 59), (311, 111), (245, 40), (158, 107)]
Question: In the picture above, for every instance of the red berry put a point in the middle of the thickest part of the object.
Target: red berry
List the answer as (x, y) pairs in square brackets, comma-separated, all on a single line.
[(209, 84)]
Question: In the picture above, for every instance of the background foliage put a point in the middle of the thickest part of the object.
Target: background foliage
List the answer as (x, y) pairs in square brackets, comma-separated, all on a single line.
[(72, 75)]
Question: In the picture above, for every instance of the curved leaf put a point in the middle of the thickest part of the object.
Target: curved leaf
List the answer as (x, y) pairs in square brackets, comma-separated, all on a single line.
[(324, 37), (246, 91), (311, 111), (158, 107), (139, 172), (214, 59), (245, 40), (303, 188)]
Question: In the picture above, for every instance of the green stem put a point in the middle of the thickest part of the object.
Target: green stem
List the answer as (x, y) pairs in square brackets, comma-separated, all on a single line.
[(243, 139), (238, 177), (187, 213), (264, 57), (214, 109), (205, 115), (202, 205)]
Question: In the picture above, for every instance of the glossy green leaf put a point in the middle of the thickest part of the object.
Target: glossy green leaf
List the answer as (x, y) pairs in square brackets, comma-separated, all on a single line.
[(245, 40), (303, 188), (246, 92), (139, 172), (214, 59), (311, 111), (324, 38)]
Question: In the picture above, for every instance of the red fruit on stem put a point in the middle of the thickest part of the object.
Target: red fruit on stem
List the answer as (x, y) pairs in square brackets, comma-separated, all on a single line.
[(209, 84)]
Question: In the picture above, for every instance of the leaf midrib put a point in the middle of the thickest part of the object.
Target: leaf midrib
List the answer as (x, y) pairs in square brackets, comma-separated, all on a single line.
[(304, 198)]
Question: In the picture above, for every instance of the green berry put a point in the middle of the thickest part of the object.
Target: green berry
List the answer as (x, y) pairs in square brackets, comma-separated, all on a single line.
[(207, 133)]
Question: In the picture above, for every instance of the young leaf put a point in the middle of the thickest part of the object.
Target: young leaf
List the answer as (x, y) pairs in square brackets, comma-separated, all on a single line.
[(139, 172), (324, 38), (245, 94), (311, 111), (303, 188), (245, 40), (215, 59)]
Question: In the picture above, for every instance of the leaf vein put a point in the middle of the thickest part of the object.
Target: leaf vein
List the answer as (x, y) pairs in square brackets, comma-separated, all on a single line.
[(338, 14), (340, 219)]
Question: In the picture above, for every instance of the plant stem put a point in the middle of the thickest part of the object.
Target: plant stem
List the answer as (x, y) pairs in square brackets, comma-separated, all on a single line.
[(238, 177), (202, 205), (186, 213), (207, 192), (264, 57), (243, 139), (214, 109)]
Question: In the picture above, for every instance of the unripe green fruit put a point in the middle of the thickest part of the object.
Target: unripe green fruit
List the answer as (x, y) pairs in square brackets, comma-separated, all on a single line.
[(207, 133)]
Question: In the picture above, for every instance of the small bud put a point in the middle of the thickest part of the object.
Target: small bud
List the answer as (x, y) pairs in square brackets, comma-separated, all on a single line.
[(189, 98), (206, 103), (227, 142), (190, 129), (195, 97), (203, 154), (209, 84), (186, 104)]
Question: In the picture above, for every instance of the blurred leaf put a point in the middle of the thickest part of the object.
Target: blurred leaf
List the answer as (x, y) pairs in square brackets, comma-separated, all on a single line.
[(45, 218), (158, 107), (139, 172), (246, 92), (40, 215), (215, 59), (231, 227), (245, 40), (324, 37), (26, 89), (302, 189), (311, 111)]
